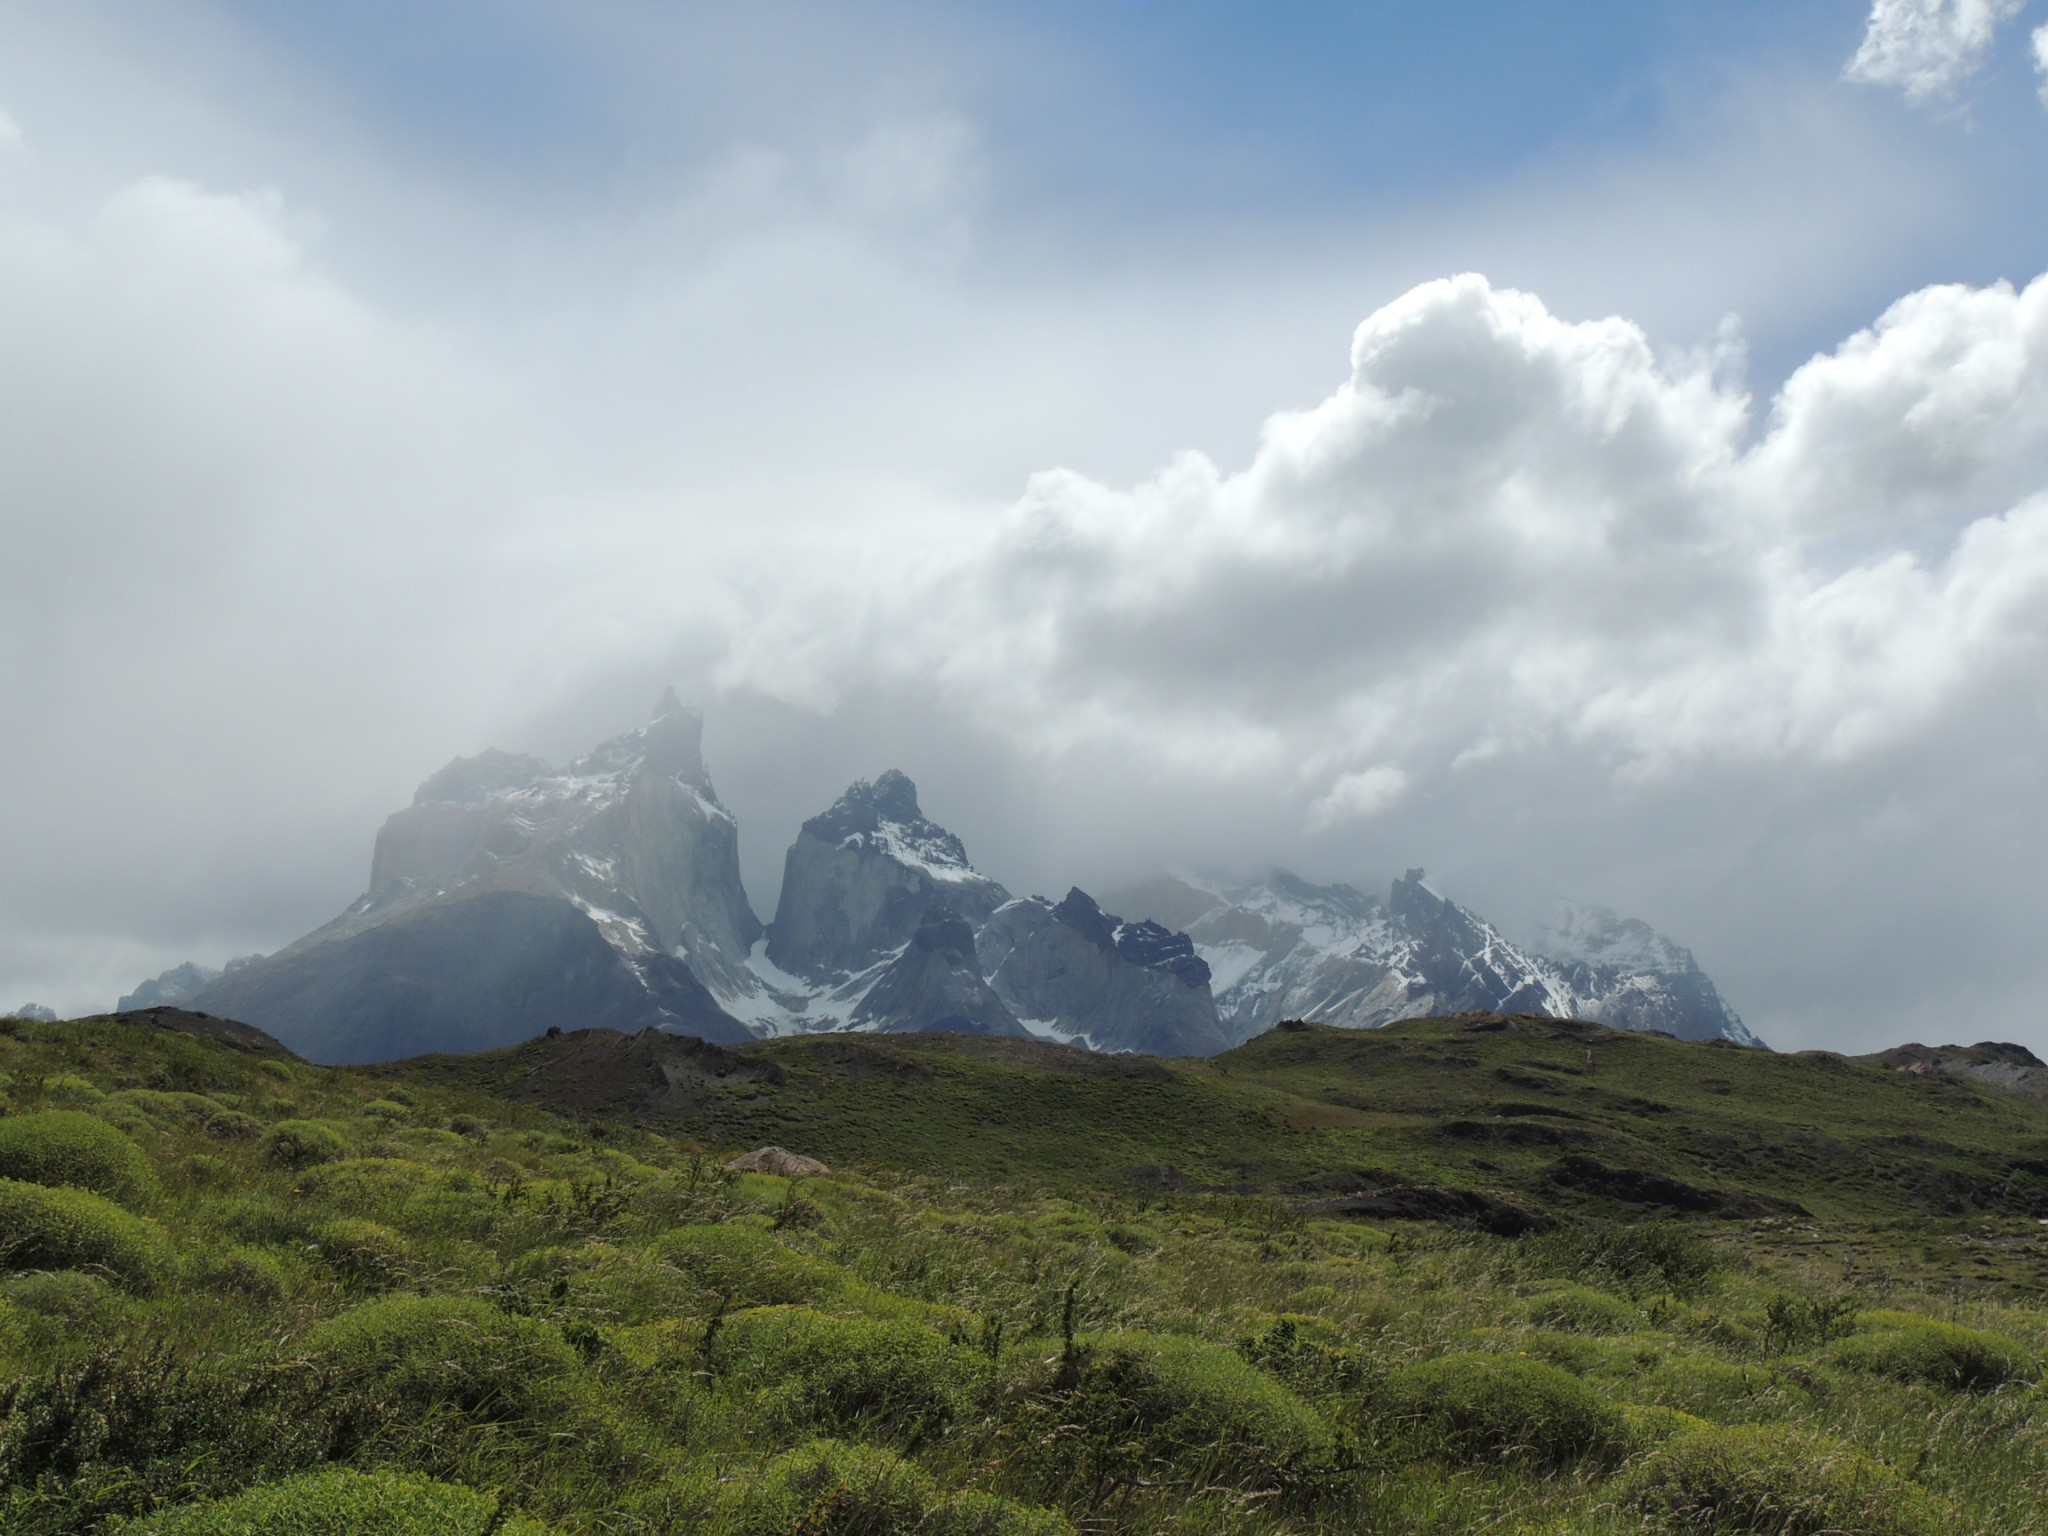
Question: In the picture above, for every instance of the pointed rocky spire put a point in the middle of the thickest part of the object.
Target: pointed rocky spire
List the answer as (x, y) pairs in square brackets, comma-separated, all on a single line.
[(673, 741)]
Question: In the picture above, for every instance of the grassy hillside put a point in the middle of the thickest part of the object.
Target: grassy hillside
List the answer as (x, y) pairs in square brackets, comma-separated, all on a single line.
[(1042, 1293), (1545, 1114)]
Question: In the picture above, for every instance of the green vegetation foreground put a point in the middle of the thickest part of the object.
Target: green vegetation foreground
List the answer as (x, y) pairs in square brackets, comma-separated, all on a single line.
[(243, 1294)]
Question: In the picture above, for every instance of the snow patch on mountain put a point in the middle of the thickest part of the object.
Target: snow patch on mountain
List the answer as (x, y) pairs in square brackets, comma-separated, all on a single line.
[(1284, 948)]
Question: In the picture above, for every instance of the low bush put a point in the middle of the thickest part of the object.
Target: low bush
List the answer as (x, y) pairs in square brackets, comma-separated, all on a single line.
[(1308, 1354), (1581, 1309), (122, 1427), (70, 1088), (66, 1146), (242, 1270), (1906, 1347), (342, 1503), (1779, 1481), (848, 1374), (62, 1228), (302, 1143), (411, 1196), (362, 1252), (1637, 1258), (409, 1355), (1703, 1385), (1486, 1407), (79, 1300), (829, 1488), (745, 1267), (1129, 1406), (171, 1111)]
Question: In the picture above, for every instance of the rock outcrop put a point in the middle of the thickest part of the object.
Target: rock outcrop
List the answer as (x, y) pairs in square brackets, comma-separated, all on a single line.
[(509, 898), (936, 985), (1074, 972), (467, 972), (860, 878)]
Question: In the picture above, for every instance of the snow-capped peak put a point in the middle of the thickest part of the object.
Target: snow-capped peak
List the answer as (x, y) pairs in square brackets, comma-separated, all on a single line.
[(1597, 935), (884, 817)]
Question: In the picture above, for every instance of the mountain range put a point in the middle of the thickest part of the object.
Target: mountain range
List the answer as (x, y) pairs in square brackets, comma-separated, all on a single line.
[(512, 897)]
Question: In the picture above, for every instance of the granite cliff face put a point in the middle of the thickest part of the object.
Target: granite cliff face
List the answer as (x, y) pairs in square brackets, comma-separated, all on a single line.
[(1073, 972), (1284, 948), (936, 984), (468, 972), (509, 897), (860, 878), (631, 834)]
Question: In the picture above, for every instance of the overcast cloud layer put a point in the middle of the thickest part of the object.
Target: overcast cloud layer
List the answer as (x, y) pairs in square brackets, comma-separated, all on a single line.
[(322, 462)]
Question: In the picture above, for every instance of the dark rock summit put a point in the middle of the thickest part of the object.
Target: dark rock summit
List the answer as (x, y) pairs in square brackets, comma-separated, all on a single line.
[(861, 876), (1067, 970)]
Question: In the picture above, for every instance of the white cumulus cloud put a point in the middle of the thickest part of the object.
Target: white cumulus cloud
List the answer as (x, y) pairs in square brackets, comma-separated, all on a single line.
[(1926, 48), (1506, 530), (2041, 60)]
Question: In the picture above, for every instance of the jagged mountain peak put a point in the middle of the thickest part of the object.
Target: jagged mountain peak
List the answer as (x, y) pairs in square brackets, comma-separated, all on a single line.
[(669, 745), (1143, 942), (883, 816)]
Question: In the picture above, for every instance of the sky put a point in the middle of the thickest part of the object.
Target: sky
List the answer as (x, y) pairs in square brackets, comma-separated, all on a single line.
[(1595, 453)]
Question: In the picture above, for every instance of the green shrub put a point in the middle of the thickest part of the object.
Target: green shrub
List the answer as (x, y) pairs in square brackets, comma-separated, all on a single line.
[(64, 1146), (984, 1514), (1704, 1385), (1779, 1481), (62, 1228), (414, 1354), (745, 1267), (302, 1143), (78, 1302), (259, 1218), (1485, 1407), (1307, 1353), (411, 1196), (829, 1488), (365, 1252), (70, 1088), (188, 1112), (1637, 1258), (337, 1502), (243, 1271), (1127, 1405), (847, 1373), (1581, 1309), (1651, 1424), (386, 1109), (1906, 1347)]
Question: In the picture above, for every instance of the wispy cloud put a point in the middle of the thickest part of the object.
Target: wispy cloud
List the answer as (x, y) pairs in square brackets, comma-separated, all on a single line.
[(1926, 48)]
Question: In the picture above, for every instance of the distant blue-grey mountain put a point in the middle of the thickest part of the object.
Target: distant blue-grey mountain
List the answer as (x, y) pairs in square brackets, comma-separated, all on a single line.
[(512, 897)]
